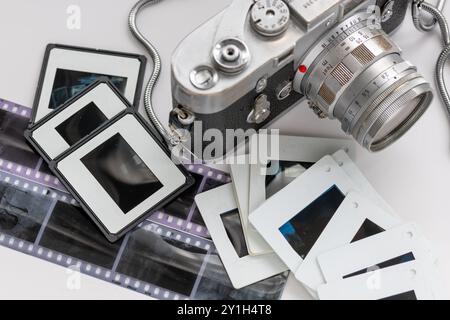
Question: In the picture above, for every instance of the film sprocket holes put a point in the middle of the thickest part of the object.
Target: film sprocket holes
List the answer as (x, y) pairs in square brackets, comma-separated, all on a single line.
[(41, 219), (68, 70), (121, 174), (108, 157), (76, 119)]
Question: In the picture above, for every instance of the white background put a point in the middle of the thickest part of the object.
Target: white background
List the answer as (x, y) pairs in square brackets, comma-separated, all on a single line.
[(413, 175)]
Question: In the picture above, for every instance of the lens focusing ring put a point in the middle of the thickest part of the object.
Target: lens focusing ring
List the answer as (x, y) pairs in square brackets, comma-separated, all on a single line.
[(417, 91), (357, 75), (383, 98), (367, 104)]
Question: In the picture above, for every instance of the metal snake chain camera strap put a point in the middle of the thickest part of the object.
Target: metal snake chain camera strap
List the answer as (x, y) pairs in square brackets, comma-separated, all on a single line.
[(417, 7), (170, 136), (375, 119)]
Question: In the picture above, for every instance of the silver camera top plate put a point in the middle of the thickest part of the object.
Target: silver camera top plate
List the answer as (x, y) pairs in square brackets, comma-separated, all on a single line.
[(310, 13)]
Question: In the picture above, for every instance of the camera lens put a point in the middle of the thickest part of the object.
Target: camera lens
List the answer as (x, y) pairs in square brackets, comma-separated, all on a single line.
[(356, 74), (398, 118)]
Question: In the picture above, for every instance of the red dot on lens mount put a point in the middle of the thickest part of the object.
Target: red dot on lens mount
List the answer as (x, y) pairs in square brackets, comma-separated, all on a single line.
[(303, 69)]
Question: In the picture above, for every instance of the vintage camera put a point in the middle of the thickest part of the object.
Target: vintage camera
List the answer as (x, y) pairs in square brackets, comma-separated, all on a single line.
[(255, 60)]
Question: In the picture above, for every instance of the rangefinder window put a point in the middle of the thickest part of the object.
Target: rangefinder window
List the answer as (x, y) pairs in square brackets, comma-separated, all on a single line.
[(350, 5)]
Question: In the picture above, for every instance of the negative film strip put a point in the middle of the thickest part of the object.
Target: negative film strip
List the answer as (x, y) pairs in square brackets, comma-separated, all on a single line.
[(154, 259), (111, 274), (37, 188), (183, 214), (16, 156), (169, 256)]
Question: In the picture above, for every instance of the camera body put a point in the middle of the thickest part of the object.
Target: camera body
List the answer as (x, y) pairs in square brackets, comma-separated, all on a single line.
[(244, 68)]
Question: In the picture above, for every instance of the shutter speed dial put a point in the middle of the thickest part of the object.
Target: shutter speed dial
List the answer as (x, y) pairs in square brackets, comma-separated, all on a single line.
[(270, 18)]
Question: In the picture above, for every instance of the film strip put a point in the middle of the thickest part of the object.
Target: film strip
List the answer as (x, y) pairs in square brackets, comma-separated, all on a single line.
[(188, 217), (37, 188), (15, 108), (169, 256), (16, 156), (31, 174), (173, 234), (107, 274), (155, 260)]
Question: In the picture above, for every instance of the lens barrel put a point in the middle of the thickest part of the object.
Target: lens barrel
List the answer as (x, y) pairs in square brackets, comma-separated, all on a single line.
[(357, 75)]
